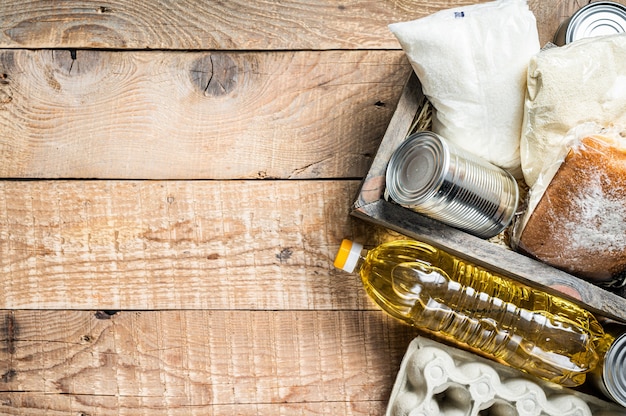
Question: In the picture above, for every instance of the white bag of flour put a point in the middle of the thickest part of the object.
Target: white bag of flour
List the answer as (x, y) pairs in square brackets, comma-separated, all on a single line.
[(472, 62), (584, 81)]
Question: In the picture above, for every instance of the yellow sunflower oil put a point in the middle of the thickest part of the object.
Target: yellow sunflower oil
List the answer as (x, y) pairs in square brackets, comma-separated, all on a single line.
[(466, 305)]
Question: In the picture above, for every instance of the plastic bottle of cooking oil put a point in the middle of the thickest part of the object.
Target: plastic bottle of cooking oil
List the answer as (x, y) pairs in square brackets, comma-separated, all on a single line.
[(455, 301)]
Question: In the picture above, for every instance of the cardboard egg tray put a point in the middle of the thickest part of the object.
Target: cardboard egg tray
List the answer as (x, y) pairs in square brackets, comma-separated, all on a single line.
[(439, 380)]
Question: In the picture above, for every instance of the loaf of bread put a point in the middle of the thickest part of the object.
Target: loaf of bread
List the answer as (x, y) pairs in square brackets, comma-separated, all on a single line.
[(579, 224)]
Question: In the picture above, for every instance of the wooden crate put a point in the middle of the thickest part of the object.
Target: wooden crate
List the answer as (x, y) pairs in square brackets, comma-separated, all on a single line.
[(372, 206)]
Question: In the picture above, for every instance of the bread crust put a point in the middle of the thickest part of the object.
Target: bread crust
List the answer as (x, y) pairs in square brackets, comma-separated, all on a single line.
[(579, 225)]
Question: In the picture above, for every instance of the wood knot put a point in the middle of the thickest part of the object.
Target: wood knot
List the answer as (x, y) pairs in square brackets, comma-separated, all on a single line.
[(214, 75), (108, 314), (10, 331), (72, 62), (8, 376), (284, 255), (5, 98)]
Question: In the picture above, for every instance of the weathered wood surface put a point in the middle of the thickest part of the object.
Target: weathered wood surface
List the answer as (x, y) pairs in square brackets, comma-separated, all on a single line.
[(193, 24), (203, 115), (175, 245), (412, 105), (233, 25), (182, 115), (241, 312), (228, 362)]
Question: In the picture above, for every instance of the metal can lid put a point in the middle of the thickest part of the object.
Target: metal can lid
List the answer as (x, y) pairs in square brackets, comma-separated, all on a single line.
[(596, 19), (614, 371), (416, 169)]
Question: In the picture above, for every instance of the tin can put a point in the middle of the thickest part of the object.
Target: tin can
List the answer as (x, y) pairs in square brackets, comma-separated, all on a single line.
[(595, 19), (433, 177), (610, 377)]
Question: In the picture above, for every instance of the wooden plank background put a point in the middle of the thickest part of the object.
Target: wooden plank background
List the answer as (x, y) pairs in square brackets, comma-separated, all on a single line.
[(195, 115), (177, 177)]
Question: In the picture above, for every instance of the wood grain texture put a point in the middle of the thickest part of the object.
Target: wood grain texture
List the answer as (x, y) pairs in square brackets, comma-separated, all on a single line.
[(176, 245), (177, 115), (36, 404), (229, 301), (409, 111), (198, 362), (194, 24), (232, 25)]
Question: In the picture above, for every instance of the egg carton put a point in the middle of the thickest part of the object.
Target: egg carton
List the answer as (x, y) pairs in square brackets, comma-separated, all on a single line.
[(438, 380)]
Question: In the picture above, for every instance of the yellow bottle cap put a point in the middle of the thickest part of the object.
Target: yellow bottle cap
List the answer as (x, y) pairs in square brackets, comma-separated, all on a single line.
[(348, 255)]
